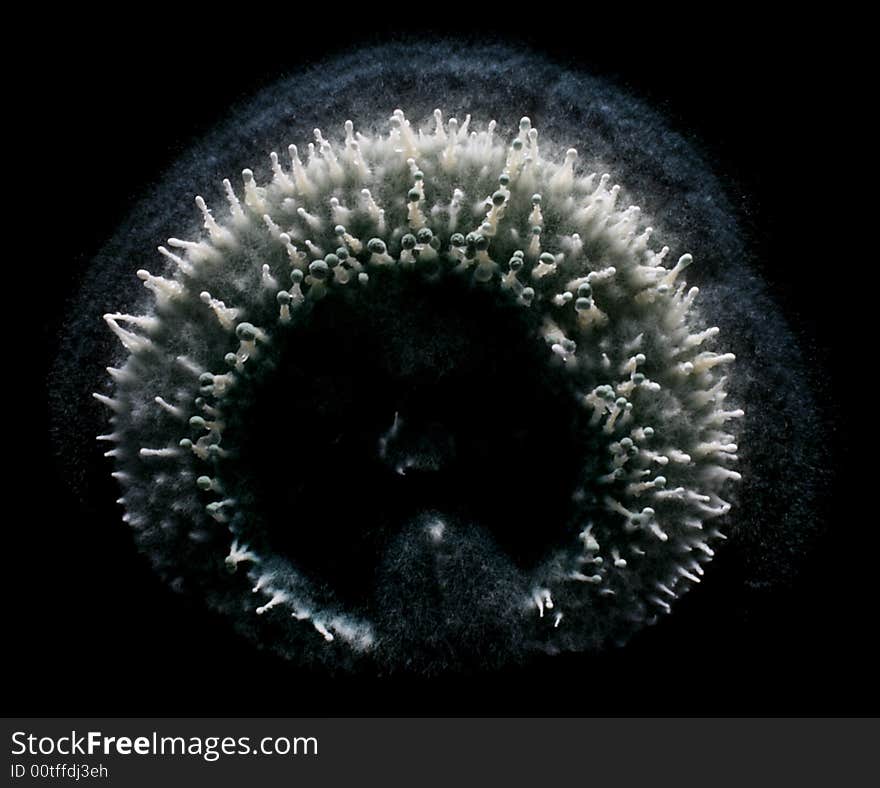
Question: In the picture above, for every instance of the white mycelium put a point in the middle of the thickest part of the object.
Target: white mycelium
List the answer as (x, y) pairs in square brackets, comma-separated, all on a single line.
[(444, 200)]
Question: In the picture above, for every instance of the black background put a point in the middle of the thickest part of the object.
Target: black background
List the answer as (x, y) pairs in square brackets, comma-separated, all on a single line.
[(91, 631)]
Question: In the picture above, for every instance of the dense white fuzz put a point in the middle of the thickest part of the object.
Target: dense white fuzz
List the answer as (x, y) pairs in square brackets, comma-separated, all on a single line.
[(448, 199)]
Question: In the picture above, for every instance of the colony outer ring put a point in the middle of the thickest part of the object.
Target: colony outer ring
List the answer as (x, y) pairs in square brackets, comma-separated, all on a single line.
[(438, 202)]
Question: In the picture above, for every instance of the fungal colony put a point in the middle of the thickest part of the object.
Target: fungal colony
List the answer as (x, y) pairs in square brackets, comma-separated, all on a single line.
[(440, 239)]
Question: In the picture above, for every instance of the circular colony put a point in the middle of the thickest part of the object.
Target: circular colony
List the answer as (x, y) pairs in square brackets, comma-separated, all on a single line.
[(429, 391)]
